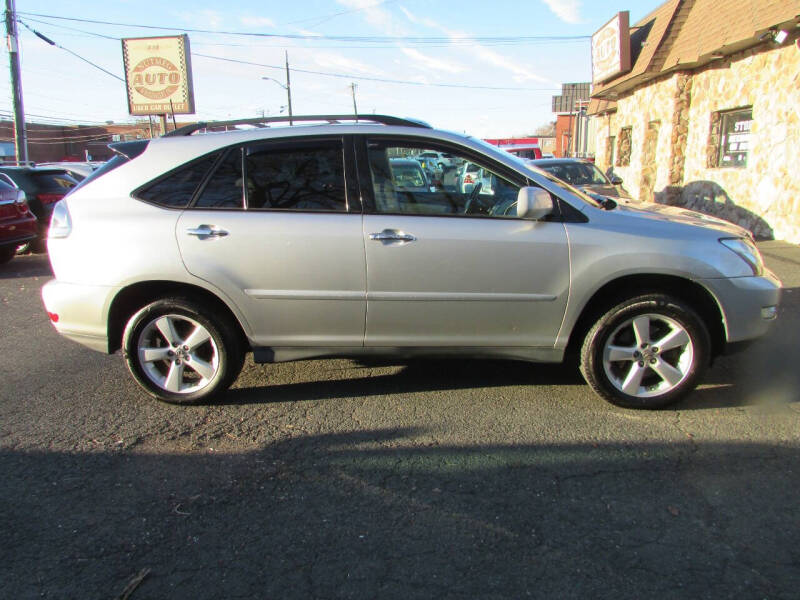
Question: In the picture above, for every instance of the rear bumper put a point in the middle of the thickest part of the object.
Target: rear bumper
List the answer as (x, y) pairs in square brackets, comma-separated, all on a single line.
[(18, 231), (79, 312), (749, 304)]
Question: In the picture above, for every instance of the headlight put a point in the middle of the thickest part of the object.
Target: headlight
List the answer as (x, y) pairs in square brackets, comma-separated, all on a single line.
[(746, 249), (60, 223)]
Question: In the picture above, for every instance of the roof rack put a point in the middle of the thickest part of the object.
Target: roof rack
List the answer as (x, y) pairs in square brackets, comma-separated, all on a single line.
[(265, 121)]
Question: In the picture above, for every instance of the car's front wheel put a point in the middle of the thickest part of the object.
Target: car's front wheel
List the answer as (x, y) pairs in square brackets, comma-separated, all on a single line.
[(646, 352), (182, 351)]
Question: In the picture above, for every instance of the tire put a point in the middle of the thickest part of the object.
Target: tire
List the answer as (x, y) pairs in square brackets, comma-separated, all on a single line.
[(39, 245), (205, 361), (647, 352), (7, 253)]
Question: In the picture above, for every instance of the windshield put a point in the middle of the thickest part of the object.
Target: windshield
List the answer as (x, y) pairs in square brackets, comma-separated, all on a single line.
[(408, 175), (576, 173), (524, 165)]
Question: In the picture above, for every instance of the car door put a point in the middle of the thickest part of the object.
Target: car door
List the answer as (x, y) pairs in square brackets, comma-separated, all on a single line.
[(471, 276), (275, 228)]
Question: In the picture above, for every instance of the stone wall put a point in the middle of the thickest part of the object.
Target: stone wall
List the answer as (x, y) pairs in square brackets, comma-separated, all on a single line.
[(764, 196)]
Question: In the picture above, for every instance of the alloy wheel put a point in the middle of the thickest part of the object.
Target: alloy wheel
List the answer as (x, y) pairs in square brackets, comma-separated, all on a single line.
[(648, 355), (178, 354)]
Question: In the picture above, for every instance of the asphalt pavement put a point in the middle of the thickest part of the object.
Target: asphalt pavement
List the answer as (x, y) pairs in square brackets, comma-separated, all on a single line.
[(446, 479)]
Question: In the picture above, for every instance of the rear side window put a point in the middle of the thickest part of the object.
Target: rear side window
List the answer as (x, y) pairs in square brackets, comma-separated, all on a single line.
[(224, 187), (307, 176), (176, 189)]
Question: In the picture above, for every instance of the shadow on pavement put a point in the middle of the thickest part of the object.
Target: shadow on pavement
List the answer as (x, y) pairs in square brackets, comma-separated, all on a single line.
[(414, 376), (27, 265), (378, 514)]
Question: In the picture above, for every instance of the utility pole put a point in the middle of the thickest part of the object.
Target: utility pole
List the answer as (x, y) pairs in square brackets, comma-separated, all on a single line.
[(355, 108), (20, 135), (288, 87)]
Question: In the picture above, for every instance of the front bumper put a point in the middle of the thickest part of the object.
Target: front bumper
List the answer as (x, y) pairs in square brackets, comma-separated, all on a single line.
[(746, 304), (79, 312)]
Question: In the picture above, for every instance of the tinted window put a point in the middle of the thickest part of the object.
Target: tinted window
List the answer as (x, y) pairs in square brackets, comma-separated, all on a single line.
[(224, 187), (176, 189), (576, 173), (307, 177), (53, 182)]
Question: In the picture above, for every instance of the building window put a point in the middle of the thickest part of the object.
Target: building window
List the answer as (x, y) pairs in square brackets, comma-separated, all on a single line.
[(624, 147), (734, 137)]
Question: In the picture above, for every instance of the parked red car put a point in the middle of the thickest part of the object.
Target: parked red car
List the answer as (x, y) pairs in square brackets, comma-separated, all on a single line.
[(43, 187), (18, 225)]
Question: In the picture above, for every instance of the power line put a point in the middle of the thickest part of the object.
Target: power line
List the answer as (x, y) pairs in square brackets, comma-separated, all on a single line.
[(90, 33), (393, 46), (379, 79), (336, 38), (99, 139), (319, 20), (76, 55)]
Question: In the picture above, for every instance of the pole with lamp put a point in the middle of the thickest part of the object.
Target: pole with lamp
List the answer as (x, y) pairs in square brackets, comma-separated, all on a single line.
[(287, 87)]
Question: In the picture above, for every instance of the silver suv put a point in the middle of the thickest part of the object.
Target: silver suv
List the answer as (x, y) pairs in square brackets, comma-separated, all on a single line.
[(297, 242)]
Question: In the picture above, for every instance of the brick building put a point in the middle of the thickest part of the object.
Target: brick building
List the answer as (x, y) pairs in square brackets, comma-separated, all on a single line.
[(708, 115), (53, 143)]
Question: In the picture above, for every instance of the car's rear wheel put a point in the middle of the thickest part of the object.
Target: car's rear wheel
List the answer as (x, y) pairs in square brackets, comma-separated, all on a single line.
[(646, 352), (7, 253), (182, 351)]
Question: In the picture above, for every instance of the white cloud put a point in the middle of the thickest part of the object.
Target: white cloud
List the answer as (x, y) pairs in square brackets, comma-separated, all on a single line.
[(254, 21), (205, 19), (337, 61), (424, 61), (566, 10), (375, 15), (462, 42)]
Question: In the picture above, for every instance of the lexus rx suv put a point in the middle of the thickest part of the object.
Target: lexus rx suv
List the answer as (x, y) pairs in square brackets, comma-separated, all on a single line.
[(299, 242)]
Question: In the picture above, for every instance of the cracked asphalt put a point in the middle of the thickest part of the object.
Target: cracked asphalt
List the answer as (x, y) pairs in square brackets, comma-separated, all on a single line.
[(448, 479)]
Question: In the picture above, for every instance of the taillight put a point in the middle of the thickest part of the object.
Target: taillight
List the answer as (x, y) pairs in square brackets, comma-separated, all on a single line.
[(60, 222), (49, 198)]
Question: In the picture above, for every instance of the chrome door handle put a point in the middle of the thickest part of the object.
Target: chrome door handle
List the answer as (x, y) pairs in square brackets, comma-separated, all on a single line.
[(206, 231), (392, 235)]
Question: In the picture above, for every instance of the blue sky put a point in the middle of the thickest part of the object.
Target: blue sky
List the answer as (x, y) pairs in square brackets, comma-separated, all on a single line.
[(59, 86)]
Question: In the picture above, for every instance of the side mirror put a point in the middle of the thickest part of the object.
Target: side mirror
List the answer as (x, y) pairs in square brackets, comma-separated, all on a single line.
[(534, 203), (616, 180), (21, 198)]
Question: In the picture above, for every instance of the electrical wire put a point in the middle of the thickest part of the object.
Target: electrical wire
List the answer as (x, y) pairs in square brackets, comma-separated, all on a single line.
[(76, 55), (378, 79), (319, 20), (337, 38)]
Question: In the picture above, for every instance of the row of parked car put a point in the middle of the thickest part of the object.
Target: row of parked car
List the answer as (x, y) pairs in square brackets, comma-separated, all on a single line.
[(28, 194)]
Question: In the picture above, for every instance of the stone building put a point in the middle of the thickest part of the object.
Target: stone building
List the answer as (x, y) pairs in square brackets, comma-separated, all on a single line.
[(708, 115)]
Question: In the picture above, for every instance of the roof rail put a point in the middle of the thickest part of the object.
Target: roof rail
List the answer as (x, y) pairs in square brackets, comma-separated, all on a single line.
[(265, 121)]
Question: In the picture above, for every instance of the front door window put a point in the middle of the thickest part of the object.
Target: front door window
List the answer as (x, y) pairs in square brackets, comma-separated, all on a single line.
[(414, 180)]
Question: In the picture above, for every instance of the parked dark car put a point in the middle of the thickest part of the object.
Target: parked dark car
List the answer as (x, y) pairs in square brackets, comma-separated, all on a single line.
[(43, 187), (584, 175), (18, 225)]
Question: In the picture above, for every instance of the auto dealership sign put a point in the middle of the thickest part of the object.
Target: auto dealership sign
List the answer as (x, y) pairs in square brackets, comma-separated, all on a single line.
[(158, 75), (611, 49)]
